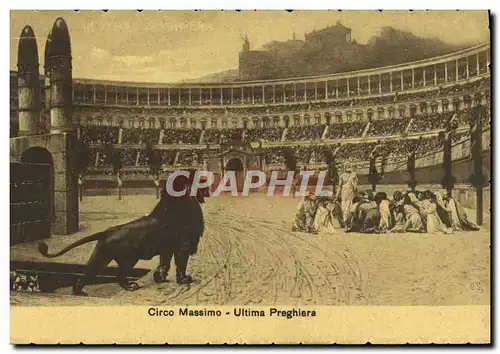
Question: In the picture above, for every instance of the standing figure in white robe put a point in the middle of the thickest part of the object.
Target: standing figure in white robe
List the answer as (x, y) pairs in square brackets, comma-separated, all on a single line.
[(348, 187)]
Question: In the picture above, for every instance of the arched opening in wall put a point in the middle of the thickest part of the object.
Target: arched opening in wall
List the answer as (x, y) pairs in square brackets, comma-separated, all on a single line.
[(369, 114), (286, 121), (413, 111), (328, 118), (39, 155), (236, 164)]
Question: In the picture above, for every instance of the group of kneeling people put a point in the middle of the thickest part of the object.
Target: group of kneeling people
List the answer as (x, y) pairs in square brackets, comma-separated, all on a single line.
[(419, 211)]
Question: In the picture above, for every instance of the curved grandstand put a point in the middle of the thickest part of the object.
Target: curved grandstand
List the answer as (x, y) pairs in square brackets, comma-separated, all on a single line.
[(192, 124)]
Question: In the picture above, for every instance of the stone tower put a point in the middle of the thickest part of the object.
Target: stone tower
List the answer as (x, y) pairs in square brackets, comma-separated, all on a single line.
[(46, 108), (28, 78), (61, 80), (57, 146)]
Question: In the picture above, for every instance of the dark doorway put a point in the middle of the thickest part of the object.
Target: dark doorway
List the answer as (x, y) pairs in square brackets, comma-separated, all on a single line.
[(235, 164), (39, 155)]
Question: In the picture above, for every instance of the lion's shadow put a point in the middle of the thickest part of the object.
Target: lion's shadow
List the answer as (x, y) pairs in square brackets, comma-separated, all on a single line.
[(51, 276)]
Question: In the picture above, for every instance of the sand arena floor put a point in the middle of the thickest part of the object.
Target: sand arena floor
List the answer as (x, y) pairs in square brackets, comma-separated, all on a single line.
[(248, 255)]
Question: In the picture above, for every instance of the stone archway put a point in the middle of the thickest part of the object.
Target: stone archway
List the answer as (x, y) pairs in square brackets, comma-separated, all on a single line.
[(58, 151), (37, 154), (235, 164)]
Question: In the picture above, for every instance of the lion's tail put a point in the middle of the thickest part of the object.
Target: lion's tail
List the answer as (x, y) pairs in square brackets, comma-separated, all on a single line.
[(43, 248)]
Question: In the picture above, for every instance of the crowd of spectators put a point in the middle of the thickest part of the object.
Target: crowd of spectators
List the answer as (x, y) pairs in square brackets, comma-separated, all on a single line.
[(388, 127), (461, 136), (468, 87), (222, 136), (430, 121), (295, 102), (307, 132), (264, 134), (414, 96), (140, 135), (168, 157), (346, 130), (189, 157), (129, 156), (99, 134), (429, 144), (393, 149), (181, 136), (275, 155), (355, 152)]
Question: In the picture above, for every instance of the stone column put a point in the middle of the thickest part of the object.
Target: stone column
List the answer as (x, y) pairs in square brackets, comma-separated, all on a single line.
[(28, 79), (62, 130), (47, 89), (477, 64), (61, 79), (467, 67)]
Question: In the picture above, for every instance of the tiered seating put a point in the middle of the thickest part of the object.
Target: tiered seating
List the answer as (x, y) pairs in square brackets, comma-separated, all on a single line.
[(308, 132), (181, 136), (222, 136), (265, 134), (99, 134), (388, 127), (346, 130)]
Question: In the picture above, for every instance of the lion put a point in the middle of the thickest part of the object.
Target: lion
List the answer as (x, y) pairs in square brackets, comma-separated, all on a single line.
[(175, 226)]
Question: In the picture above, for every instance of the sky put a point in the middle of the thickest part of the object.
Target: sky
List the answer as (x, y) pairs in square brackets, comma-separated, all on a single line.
[(171, 46)]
